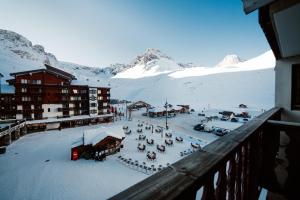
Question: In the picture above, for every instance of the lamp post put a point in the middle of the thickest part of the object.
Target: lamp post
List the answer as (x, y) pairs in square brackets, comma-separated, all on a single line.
[(126, 108), (1, 76), (166, 106)]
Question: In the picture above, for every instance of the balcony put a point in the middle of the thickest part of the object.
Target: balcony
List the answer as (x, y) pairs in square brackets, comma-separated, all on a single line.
[(235, 166)]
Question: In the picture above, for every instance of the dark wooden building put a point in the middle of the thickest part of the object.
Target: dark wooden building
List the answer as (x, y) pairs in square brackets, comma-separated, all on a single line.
[(98, 143), (49, 92)]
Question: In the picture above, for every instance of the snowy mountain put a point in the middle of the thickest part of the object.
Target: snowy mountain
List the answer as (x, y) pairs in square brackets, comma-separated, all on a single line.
[(154, 76), (153, 62), (230, 60)]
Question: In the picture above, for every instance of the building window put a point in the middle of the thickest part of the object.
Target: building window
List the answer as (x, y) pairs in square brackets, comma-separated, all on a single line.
[(93, 111), (37, 82), (296, 87), (92, 105), (24, 90), (24, 81), (25, 98), (83, 91), (75, 91), (93, 91), (100, 98), (48, 109), (99, 91), (64, 91)]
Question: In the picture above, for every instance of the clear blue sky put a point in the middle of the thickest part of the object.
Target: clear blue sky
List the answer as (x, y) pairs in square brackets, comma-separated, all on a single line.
[(101, 32)]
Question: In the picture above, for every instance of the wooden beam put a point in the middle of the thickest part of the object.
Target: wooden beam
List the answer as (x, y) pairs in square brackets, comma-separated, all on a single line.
[(284, 125)]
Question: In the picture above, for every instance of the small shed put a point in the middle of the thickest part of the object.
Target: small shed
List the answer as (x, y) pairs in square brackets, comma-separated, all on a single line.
[(100, 141), (156, 112), (243, 106), (184, 108)]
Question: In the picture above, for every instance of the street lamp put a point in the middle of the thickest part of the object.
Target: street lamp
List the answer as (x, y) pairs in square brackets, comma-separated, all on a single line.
[(1, 76), (166, 106)]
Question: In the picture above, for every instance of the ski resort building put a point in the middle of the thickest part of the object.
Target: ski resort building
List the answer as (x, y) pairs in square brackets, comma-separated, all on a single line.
[(50, 93), (98, 143)]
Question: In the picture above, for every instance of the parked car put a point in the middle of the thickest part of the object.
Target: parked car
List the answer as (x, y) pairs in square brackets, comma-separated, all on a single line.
[(219, 132), (207, 129), (201, 114), (234, 119), (199, 127), (245, 120), (224, 118)]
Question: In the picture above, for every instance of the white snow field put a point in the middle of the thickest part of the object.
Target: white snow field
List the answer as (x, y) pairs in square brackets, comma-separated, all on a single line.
[(38, 165)]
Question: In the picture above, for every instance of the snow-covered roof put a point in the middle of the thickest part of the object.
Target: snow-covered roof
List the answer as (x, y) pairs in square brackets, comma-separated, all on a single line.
[(77, 142), (7, 89), (157, 109), (93, 136), (177, 107), (163, 109)]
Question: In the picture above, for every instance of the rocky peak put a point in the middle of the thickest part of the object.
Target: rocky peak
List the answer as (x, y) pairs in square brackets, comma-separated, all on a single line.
[(150, 55), (230, 60)]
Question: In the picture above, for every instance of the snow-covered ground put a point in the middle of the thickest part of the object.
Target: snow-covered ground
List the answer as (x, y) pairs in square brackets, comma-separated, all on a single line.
[(38, 165)]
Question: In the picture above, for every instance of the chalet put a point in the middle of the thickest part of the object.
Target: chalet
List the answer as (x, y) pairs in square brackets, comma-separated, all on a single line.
[(50, 92), (98, 143), (156, 112), (172, 110), (161, 111), (227, 114)]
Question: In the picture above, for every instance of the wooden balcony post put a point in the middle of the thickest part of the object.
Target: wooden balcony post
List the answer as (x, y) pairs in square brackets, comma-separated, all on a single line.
[(231, 178), (221, 184), (238, 175), (245, 171), (254, 166), (209, 189), (270, 147)]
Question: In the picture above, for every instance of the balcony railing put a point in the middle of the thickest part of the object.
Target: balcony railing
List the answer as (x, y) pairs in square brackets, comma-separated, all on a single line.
[(235, 166)]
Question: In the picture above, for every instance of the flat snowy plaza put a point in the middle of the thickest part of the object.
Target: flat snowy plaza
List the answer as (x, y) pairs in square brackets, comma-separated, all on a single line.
[(39, 165)]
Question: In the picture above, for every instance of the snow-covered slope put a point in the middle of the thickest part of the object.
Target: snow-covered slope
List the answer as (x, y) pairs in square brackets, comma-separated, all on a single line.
[(155, 77), (264, 61)]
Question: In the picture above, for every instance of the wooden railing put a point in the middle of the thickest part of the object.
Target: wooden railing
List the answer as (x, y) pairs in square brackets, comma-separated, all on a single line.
[(235, 166), (10, 128)]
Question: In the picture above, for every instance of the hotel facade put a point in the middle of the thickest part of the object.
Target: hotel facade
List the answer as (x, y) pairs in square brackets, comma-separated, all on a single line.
[(49, 93)]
